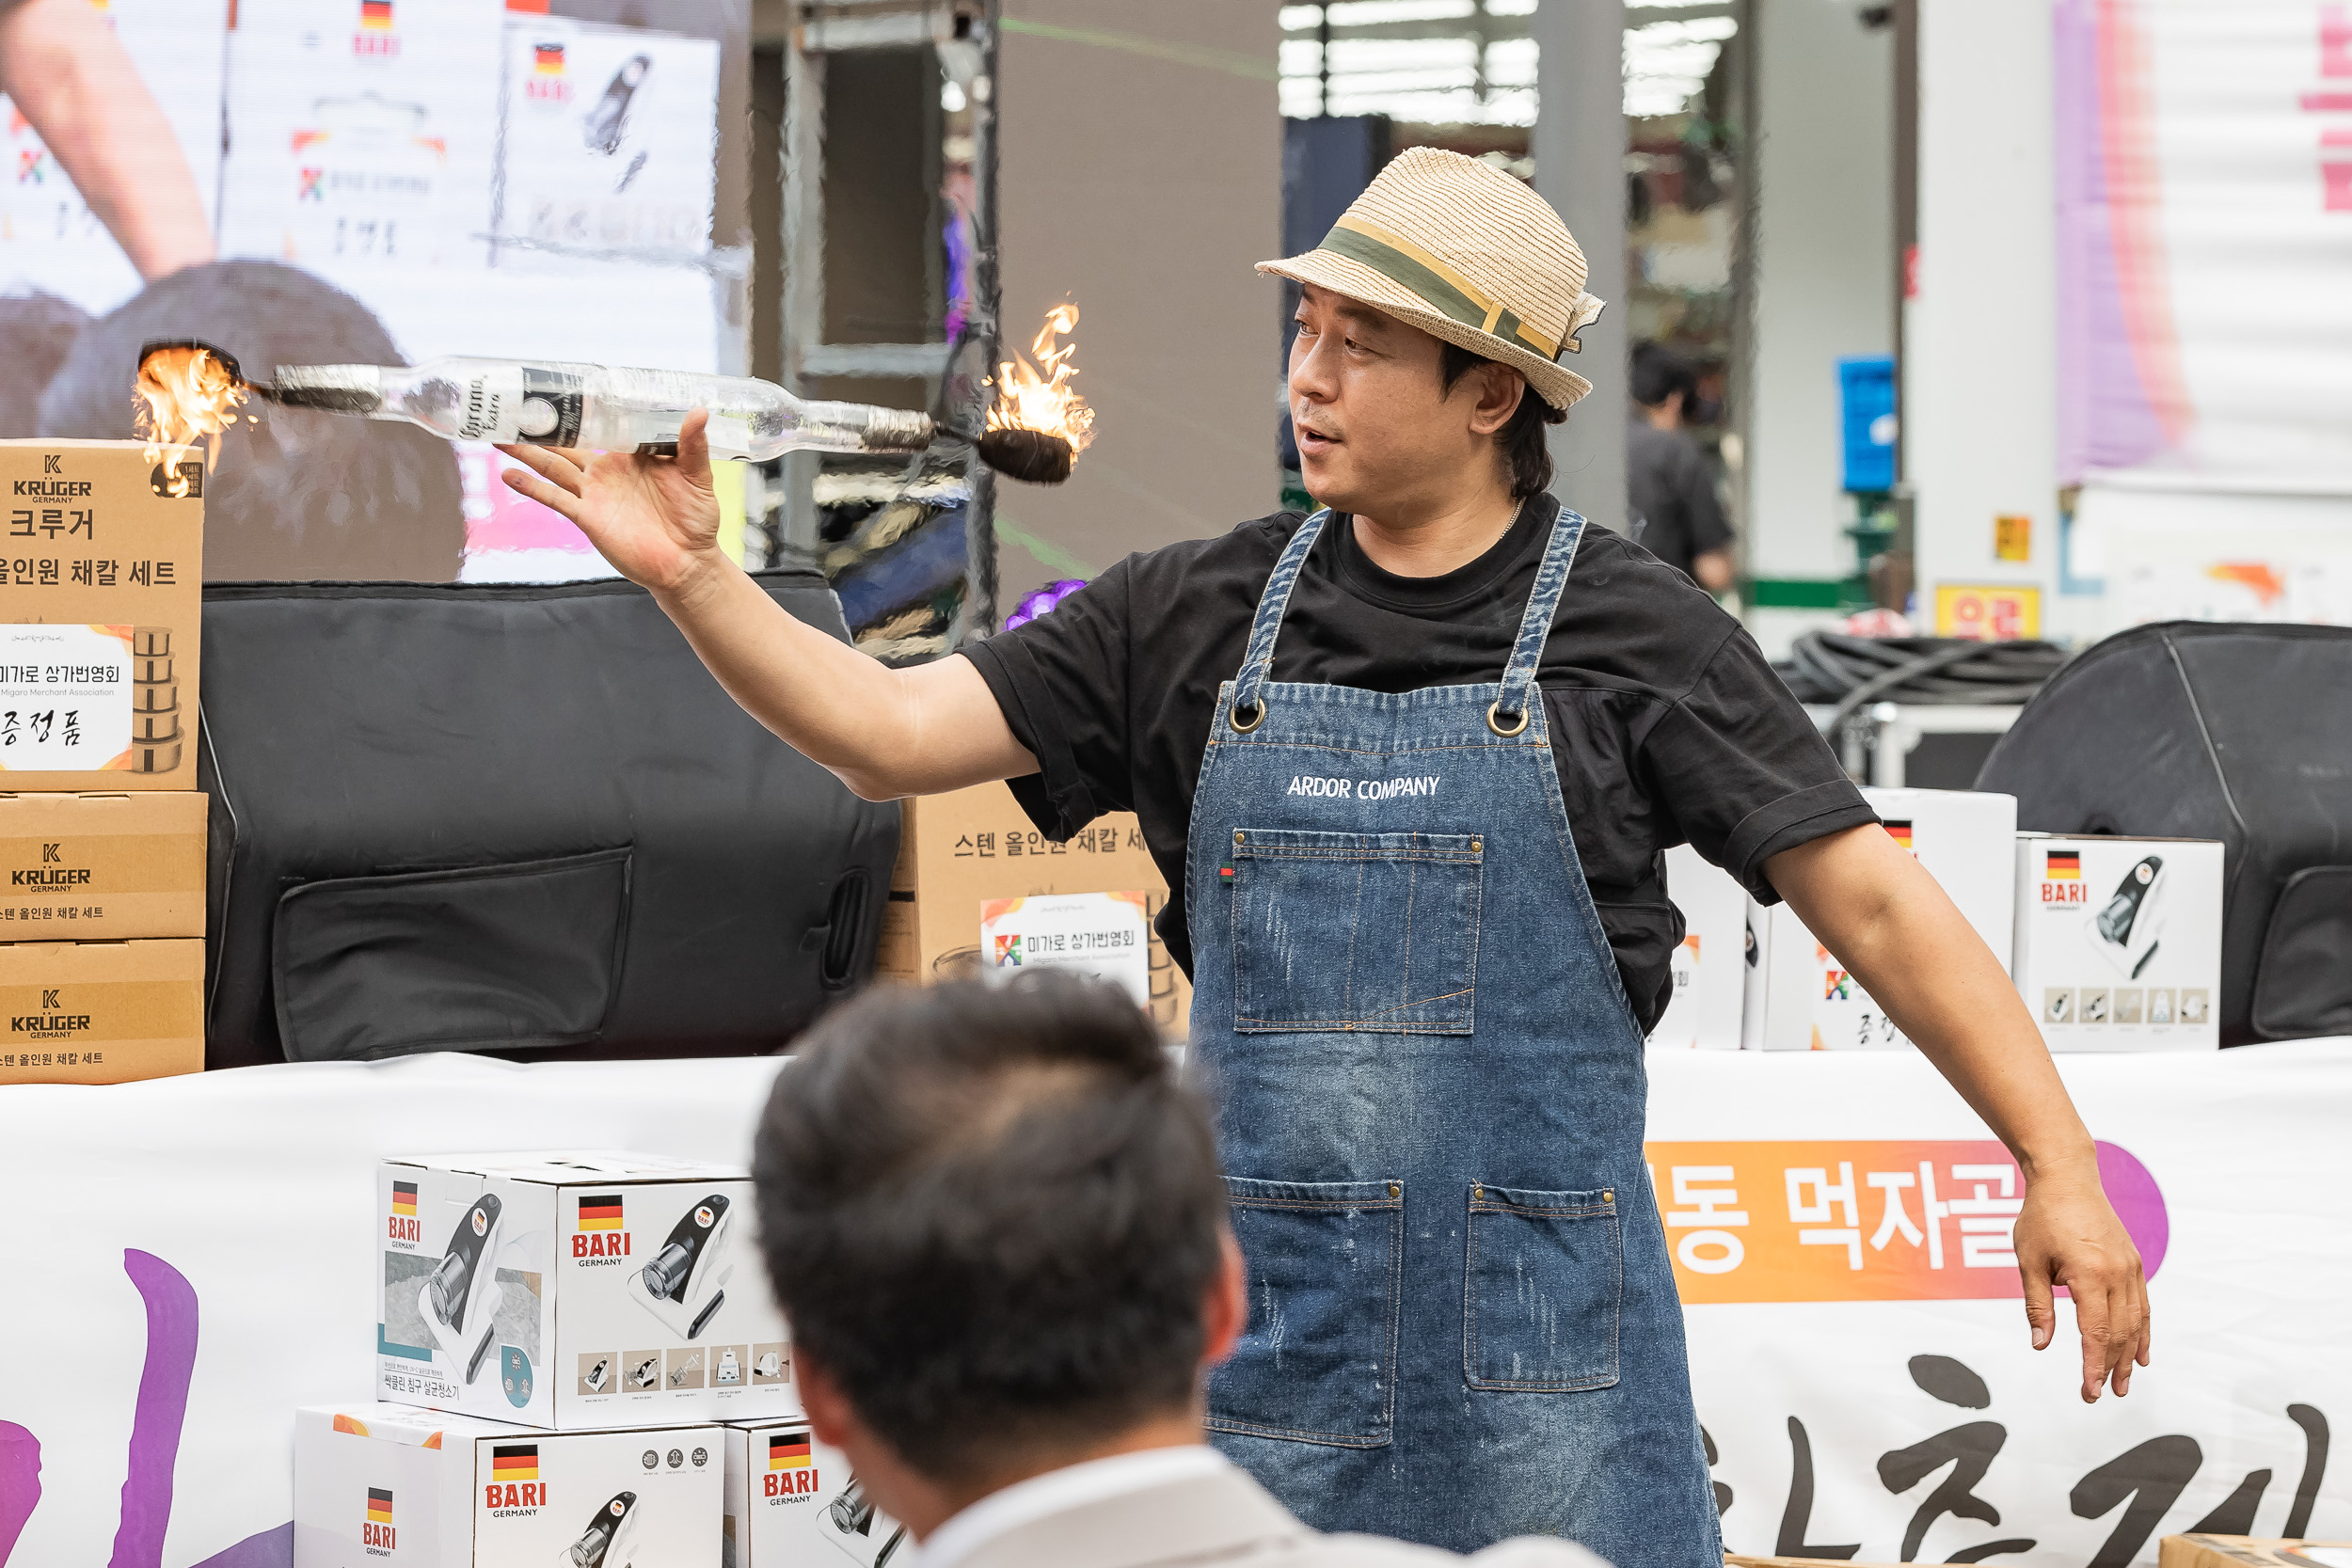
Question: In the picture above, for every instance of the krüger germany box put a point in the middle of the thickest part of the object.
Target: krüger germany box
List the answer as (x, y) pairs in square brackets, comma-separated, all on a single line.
[(965, 857), (100, 1012), (100, 868), (101, 574)]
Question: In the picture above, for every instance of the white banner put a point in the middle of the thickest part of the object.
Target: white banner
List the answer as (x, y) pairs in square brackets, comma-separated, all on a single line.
[(190, 1259)]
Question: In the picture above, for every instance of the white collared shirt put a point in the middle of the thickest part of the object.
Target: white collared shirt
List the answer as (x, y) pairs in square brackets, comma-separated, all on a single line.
[(1058, 1491)]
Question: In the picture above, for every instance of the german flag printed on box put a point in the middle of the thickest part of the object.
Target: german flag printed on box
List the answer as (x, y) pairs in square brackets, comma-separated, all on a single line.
[(788, 1450), (600, 1211), (375, 15), (404, 1198), (379, 1506), (547, 59), (515, 1462), (1900, 832), (2062, 865)]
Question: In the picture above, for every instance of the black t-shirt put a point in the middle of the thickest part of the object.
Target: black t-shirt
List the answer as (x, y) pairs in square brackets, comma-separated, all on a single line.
[(1670, 485), (1667, 724)]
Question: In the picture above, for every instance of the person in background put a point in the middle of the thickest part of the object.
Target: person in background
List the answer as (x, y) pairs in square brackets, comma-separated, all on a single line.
[(996, 1222), (64, 70), (1671, 487)]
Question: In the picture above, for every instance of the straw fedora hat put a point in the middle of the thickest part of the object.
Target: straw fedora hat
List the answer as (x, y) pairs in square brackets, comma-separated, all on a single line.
[(1465, 253)]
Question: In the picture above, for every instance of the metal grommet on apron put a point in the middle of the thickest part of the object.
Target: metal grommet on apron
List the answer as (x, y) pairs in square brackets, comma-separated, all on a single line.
[(1430, 1096)]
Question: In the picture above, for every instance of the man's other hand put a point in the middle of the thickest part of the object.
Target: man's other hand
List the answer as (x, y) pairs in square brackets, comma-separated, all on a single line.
[(2068, 1235)]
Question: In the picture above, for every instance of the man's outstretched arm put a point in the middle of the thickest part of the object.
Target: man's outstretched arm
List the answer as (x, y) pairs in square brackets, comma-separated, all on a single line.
[(1896, 930), (885, 732)]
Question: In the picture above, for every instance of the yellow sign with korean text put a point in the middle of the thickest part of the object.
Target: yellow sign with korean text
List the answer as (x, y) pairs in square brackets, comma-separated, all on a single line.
[(1988, 612)]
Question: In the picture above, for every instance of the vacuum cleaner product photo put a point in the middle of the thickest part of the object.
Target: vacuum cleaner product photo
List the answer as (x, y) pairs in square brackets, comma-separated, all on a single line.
[(2119, 940), (786, 1491), (427, 1489), (574, 1290), (611, 1539), (684, 1284), (459, 1301)]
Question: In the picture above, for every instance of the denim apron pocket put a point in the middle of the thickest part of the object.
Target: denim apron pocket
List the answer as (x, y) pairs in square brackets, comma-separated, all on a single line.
[(1318, 1361), (1545, 1280), (1355, 931)]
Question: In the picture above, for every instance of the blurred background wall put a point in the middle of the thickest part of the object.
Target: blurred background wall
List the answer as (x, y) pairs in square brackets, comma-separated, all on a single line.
[(1141, 176)]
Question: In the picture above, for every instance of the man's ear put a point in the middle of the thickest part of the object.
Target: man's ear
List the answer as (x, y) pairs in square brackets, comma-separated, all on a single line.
[(1500, 389), (831, 1418), (1225, 1305)]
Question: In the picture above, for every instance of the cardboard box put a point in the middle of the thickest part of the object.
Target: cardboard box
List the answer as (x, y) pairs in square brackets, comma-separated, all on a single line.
[(1711, 966), (2249, 1551), (960, 851), (100, 1012), (376, 1483), (101, 867), (791, 1502), (2119, 940), (101, 617), (1801, 998), (575, 1290)]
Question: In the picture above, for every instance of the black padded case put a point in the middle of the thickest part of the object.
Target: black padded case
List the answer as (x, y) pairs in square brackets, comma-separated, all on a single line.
[(513, 818), (2241, 733)]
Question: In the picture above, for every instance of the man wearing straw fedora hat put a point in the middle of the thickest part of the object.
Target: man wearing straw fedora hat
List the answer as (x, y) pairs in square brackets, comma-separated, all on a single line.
[(1410, 765)]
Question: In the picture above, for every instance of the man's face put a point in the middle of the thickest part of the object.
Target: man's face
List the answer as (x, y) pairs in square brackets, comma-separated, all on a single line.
[(1378, 433)]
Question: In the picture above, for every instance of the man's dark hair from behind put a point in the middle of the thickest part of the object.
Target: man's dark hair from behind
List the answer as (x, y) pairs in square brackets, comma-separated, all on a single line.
[(1522, 438), (1655, 373), (991, 1214)]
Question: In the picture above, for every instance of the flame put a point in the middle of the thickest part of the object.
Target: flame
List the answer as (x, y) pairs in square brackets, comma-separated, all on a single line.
[(185, 398), (1039, 397)]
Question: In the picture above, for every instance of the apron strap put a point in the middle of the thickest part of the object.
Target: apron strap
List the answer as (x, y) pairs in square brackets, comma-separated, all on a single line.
[(1257, 665), (1543, 604)]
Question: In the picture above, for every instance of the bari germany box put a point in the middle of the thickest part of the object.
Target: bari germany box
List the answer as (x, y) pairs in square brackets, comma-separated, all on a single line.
[(960, 852), (789, 1496), (394, 1484), (2119, 940), (101, 867), (1711, 965), (1801, 998), (102, 574), (574, 1290), (100, 1012)]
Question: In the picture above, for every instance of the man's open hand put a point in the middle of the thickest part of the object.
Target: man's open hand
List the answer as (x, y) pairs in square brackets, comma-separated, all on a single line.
[(654, 518), (2068, 1235)]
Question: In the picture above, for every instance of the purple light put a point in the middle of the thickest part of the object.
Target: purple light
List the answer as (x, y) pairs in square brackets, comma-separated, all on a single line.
[(1031, 606)]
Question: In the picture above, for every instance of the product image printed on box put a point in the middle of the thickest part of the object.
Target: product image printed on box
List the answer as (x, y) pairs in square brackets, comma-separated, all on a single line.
[(577, 1289), (2119, 940), (394, 1484), (792, 1502)]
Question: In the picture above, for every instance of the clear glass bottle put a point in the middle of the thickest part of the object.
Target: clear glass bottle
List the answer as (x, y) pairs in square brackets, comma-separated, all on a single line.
[(602, 407)]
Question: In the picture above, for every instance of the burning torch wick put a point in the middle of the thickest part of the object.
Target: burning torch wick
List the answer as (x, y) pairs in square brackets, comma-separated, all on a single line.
[(186, 395)]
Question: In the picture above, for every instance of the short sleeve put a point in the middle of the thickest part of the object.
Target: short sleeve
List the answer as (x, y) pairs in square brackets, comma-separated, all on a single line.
[(1061, 680), (1742, 770)]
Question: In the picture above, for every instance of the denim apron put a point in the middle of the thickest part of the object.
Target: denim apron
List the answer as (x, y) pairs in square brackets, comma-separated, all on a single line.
[(1429, 1103)]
